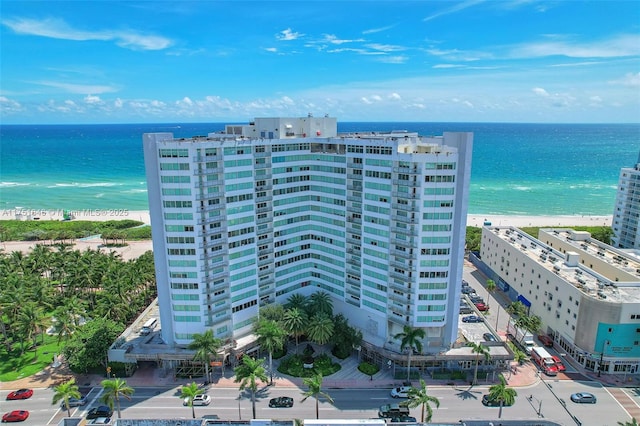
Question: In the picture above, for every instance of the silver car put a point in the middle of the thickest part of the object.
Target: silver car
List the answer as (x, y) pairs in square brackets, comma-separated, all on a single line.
[(75, 402)]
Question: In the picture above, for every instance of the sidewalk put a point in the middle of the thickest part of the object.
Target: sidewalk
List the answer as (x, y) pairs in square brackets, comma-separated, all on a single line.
[(348, 377)]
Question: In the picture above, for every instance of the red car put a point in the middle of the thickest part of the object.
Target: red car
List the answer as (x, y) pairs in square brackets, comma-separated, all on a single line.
[(20, 394), (15, 416), (482, 307), (545, 340), (559, 363)]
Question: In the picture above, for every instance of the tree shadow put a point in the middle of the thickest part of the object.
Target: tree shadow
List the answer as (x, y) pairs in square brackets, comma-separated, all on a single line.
[(467, 393)]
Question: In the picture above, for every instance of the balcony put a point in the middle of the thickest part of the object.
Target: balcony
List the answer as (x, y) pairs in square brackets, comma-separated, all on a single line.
[(205, 171), (403, 219)]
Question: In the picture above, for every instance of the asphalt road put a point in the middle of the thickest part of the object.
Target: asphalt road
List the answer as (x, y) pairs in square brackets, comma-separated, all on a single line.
[(455, 404)]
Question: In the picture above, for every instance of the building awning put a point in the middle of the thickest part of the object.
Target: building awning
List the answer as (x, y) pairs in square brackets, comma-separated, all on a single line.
[(524, 301)]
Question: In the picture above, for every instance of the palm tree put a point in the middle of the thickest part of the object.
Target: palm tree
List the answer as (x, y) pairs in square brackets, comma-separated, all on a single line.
[(297, 300), (315, 390), (321, 303), (295, 322), (65, 391), (320, 328), (478, 349), (271, 337), (410, 339), (633, 422), (247, 374), (189, 392), (418, 397), (503, 394), (491, 287), (113, 389), (205, 345), (517, 309)]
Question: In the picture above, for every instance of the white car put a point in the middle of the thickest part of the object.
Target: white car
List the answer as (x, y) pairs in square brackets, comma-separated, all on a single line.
[(401, 392), (201, 399)]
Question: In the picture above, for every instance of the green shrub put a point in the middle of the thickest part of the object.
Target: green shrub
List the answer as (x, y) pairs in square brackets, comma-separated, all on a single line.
[(322, 364), (341, 352), (368, 368)]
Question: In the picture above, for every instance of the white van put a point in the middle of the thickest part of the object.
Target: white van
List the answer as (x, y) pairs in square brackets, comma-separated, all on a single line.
[(148, 326)]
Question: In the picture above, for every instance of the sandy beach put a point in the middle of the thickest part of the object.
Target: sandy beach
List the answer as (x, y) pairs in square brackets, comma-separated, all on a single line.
[(472, 219), (136, 248)]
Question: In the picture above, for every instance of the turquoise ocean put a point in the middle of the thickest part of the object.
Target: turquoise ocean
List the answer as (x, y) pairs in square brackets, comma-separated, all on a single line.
[(518, 169)]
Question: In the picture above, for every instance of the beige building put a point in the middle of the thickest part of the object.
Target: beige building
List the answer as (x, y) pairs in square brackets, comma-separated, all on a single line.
[(586, 293)]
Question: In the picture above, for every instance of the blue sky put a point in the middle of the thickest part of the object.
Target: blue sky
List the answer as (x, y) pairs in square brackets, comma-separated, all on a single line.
[(230, 61)]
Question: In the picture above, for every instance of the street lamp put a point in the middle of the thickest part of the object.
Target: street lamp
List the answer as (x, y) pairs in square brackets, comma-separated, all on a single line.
[(604, 345)]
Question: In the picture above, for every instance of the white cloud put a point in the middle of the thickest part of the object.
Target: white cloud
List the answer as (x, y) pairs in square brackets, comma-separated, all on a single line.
[(288, 35), (59, 29), (540, 91), (9, 106), (118, 103), (453, 9), (377, 30), (81, 89), (332, 39), (271, 49), (395, 97), (618, 46), (399, 59), (90, 99), (629, 79), (385, 47)]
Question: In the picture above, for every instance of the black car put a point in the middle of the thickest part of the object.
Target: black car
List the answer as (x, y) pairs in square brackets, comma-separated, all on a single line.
[(101, 411), (472, 318), (491, 402), (467, 290), (281, 402), (488, 337), (403, 419)]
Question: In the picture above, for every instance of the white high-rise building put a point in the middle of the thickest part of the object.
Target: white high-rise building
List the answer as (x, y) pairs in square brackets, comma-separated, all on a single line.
[(248, 217), (626, 215)]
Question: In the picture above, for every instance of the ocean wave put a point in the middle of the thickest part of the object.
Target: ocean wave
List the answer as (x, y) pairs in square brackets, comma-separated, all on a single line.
[(134, 191), (83, 185), (10, 184)]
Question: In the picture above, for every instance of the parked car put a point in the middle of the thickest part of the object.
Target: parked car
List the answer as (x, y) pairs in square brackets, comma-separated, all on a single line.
[(400, 392), (486, 401), (465, 309), (403, 419), (15, 416), (200, 399), (74, 402), (472, 318), (559, 363), (583, 398), (20, 394), (545, 340), (101, 421), (488, 337), (476, 299), (390, 411), (101, 411), (468, 290), (281, 402), (482, 307)]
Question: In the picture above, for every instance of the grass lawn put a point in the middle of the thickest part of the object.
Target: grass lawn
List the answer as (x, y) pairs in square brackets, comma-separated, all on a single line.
[(14, 366)]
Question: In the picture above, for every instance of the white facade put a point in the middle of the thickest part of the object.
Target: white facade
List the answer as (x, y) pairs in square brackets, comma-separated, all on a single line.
[(626, 215), (586, 293), (250, 216)]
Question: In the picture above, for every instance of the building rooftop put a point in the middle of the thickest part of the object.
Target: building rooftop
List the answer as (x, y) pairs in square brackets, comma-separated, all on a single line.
[(568, 267)]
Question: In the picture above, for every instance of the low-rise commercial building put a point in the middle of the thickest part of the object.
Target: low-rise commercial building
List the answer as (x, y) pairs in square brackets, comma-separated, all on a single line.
[(586, 293)]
